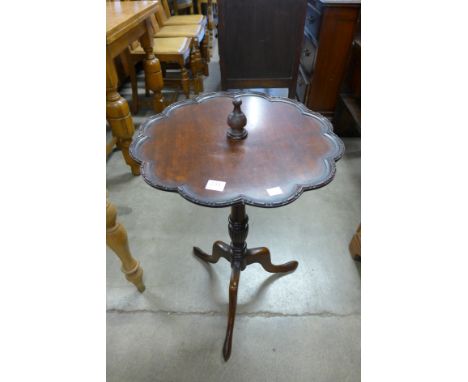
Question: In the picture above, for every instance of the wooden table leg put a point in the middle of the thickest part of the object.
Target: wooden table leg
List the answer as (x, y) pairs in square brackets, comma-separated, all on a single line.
[(153, 73), (261, 255), (233, 287), (116, 239), (220, 249), (238, 230), (118, 115)]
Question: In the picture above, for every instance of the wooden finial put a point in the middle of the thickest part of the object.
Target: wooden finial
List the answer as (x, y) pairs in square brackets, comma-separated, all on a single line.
[(236, 121)]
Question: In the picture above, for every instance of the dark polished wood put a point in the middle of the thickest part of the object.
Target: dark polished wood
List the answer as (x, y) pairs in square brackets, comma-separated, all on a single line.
[(347, 119), (237, 121), (328, 36), (239, 256), (288, 150), (259, 43), (288, 146)]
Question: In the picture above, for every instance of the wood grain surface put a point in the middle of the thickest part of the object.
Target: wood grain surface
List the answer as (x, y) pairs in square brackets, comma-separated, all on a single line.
[(121, 16), (288, 146)]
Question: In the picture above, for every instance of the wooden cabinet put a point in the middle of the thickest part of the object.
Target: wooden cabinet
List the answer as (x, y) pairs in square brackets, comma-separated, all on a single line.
[(328, 36), (260, 43), (347, 119)]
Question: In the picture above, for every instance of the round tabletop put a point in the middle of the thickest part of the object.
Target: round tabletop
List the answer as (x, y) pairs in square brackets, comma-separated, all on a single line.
[(284, 150)]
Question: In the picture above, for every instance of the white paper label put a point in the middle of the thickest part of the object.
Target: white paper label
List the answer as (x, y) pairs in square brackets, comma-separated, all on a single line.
[(216, 185), (274, 191)]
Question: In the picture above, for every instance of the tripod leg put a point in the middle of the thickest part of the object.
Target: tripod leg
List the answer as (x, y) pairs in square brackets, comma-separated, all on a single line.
[(262, 256), (233, 285), (220, 249)]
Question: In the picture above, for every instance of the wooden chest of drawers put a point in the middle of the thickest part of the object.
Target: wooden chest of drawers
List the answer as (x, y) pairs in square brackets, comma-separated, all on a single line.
[(328, 36)]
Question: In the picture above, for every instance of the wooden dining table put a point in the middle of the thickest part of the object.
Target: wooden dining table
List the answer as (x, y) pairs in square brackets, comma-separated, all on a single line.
[(126, 22)]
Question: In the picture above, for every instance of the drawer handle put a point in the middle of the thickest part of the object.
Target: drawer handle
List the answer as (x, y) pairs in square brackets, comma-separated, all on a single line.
[(307, 52)]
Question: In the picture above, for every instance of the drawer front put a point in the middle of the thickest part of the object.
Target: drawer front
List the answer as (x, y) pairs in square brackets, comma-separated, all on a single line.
[(308, 54), (301, 86), (312, 22)]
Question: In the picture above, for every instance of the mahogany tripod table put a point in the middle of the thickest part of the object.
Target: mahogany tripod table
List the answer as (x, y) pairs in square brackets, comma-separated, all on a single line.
[(265, 152)]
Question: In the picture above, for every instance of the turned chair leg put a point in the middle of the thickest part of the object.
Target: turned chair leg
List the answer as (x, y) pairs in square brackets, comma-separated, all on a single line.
[(116, 239), (201, 64), (195, 69), (209, 15), (206, 49), (205, 56), (185, 81), (153, 74)]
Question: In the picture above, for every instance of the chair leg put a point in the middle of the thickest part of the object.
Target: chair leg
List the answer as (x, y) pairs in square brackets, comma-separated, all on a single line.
[(134, 82), (206, 49), (209, 15), (116, 239), (195, 68), (203, 65), (211, 41), (185, 82)]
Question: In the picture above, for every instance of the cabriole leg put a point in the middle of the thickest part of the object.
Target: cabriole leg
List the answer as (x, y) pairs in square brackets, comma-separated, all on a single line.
[(220, 249), (262, 256), (233, 287)]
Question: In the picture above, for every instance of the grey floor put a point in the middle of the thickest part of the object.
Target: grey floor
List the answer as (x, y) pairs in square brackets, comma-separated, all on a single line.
[(303, 326)]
